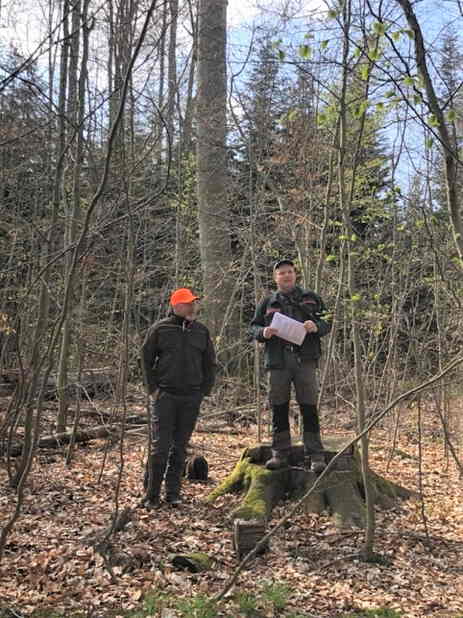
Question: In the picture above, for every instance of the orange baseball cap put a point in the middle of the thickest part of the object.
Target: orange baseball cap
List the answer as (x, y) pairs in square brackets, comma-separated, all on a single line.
[(182, 295)]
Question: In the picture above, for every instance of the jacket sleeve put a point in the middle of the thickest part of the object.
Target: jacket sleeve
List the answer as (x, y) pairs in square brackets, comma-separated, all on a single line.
[(323, 320), (209, 367), (149, 356), (258, 322)]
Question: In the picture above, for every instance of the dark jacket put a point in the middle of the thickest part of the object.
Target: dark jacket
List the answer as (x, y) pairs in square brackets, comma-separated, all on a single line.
[(178, 357), (301, 305)]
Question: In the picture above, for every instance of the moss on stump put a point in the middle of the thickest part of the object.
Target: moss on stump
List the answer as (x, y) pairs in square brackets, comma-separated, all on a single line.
[(341, 492)]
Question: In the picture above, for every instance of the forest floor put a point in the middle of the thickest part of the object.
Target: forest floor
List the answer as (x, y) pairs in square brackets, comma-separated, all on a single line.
[(312, 568)]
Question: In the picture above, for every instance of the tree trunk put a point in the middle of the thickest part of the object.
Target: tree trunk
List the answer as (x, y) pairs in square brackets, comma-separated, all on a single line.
[(451, 156), (212, 160)]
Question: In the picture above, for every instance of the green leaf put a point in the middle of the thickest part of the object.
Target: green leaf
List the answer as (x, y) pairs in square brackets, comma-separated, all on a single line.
[(417, 99), (432, 121), (429, 142), (451, 115), (364, 72), (380, 106), (292, 115), (361, 109), (357, 52), (374, 54), (324, 44), (281, 55), (390, 93), (354, 238), (410, 34), (409, 81), (305, 51), (330, 258), (355, 298), (332, 14), (396, 35), (379, 28)]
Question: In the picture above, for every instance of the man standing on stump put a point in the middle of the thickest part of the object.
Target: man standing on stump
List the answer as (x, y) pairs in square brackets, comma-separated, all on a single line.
[(288, 363), (179, 368)]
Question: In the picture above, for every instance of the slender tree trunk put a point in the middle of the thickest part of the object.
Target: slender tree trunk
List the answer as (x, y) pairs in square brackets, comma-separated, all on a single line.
[(451, 156), (172, 71), (76, 111), (345, 206)]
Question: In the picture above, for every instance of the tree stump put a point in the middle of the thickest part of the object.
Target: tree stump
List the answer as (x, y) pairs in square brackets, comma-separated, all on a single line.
[(340, 493)]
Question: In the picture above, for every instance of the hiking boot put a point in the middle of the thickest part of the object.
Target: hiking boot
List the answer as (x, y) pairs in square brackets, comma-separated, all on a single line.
[(174, 501), (314, 451), (281, 450), (150, 504), (277, 461)]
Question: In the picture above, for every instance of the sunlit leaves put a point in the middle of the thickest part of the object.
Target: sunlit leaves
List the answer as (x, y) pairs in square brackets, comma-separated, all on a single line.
[(364, 72), (305, 51), (374, 54), (379, 28)]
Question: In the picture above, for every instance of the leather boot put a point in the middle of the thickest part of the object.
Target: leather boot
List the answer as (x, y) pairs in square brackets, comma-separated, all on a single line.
[(313, 450), (281, 449)]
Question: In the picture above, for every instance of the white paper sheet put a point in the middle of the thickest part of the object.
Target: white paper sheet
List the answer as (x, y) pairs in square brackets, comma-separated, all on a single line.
[(288, 329)]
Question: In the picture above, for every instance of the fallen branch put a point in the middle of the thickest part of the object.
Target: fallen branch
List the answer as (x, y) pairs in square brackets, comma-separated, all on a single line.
[(60, 439)]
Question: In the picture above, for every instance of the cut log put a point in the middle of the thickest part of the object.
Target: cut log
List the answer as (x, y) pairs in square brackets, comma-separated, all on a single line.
[(340, 492), (246, 535), (61, 439), (93, 383)]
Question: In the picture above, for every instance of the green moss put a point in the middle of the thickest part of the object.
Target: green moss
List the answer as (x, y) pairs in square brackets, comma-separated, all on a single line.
[(195, 562), (232, 482), (202, 558), (255, 504)]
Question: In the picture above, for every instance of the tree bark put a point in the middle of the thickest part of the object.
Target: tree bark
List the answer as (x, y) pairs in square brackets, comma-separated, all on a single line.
[(451, 157), (212, 160)]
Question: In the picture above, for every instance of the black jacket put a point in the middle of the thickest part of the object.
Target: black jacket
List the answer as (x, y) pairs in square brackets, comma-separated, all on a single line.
[(178, 357), (300, 305)]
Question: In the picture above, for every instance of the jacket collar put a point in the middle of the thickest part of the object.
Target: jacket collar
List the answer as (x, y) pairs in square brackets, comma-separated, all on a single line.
[(295, 295), (179, 321)]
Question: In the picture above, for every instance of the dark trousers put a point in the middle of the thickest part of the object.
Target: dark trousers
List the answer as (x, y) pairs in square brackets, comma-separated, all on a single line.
[(303, 375), (309, 413), (173, 419)]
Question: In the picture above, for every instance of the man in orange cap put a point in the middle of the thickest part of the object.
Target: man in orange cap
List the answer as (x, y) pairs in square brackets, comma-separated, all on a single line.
[(179, 367)]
